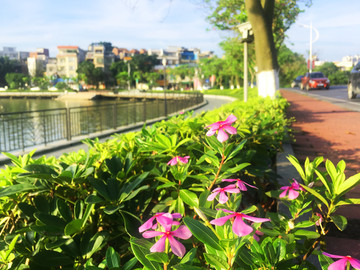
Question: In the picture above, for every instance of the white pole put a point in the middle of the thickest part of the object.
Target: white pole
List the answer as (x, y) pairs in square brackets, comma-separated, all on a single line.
[(310, 52)]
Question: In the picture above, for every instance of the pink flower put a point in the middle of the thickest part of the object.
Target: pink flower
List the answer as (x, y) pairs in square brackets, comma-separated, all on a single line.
[(342, 263), (158, 216), (257, 235), (239, 183), (239, 227), (221, 127), (320, 220), (291, 190), (223, 198), (176, 247), (177, 159)]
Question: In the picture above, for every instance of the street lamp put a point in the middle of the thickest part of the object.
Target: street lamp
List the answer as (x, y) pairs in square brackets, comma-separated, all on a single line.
[(247, 36), (127, 60), (311, 42), (165, 105)]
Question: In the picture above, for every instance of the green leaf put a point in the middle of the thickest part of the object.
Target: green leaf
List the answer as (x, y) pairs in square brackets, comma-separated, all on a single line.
[(339, 221), (202, 233), (27, 209), (50, 220), (297, 166), (135, 192), (189, 256), (216, 261), (73, 227), (20, 188), (49, 258), (324, 181), (95, 243), (348, 201), (304, 224), (112, 258), (307, 234), (141, 248), (64, 210), (93, 199), (114, 165), (348, 184), (181, 266), (237, 149), (129, 264), (160, 257), (316, 194), (280, 247), (189, 197)]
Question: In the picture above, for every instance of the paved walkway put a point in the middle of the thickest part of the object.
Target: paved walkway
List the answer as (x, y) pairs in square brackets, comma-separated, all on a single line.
[(331, 131)]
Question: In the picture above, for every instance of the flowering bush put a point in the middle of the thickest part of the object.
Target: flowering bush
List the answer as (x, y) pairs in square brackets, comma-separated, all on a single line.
[(171, 197)]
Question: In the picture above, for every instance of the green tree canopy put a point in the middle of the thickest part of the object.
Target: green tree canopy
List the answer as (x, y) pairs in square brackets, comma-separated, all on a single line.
[(291, 65)]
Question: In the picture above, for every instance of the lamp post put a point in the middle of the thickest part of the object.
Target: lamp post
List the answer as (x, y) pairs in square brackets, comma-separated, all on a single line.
[(247, 37), (165, 104), (127, 60), (311, 42)]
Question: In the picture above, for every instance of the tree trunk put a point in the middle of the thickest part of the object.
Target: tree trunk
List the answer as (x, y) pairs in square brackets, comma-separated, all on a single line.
[(260, 14)]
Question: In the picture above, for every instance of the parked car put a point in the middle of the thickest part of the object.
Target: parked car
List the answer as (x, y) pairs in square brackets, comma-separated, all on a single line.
[(354, 82), (296, 82), (314, 80)]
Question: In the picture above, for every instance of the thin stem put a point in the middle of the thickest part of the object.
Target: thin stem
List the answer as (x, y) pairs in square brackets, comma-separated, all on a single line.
[(218, 172)]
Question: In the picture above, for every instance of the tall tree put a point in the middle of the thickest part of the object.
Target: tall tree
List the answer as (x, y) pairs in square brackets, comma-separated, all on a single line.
[(269, 19)]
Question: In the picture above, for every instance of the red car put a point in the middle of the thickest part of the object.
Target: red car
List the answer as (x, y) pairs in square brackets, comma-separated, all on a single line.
[(314, 80)]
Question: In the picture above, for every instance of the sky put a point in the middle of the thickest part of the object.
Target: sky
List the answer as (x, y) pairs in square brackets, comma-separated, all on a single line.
[(147, 24), (338, 25), (154, 24)]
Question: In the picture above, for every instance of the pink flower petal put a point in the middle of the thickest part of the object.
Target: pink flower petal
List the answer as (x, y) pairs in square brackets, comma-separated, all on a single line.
[(172, 162), (159, 246), (333, 256), (230, 129), (214, 126), (184, 159), (182, 232), (354, 263), (223, 198), (338, 265), (293, 194), (222, 136), (176, 247), (210, 132), (229, 180), (176, 215), (240, 228), (230, 119), (221, 221), (255, 219), (283, 194), (212, 196), (147, 225), (151, 234), (227, 211)]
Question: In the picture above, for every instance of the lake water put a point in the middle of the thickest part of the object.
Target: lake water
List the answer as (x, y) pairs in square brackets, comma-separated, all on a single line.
[(21, 105)]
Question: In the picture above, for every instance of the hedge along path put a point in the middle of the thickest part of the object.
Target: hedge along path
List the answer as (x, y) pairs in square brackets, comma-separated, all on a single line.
[(324, 129)]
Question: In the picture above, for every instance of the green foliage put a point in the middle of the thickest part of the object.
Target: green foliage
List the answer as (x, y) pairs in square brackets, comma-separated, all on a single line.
[(291, 65), (83, 210), (334, 74), (16, 80), (61, 86)]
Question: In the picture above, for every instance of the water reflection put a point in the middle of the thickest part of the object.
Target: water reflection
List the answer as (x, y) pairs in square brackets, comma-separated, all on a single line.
[(21, 105)]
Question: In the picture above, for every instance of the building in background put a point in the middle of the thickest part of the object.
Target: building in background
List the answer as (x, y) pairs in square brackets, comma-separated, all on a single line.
[(37, 61), (101, 55), (68, 60)]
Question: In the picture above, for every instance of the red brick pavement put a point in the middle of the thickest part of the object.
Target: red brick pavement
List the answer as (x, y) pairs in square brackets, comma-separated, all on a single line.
[(324, 129)]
